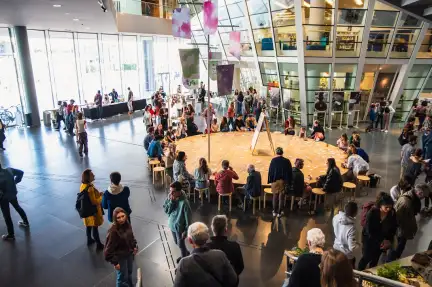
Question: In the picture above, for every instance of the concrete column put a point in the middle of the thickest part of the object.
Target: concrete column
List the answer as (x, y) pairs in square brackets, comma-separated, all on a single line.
[(30, 97), (301, 63), (316, 17), (237, 79)]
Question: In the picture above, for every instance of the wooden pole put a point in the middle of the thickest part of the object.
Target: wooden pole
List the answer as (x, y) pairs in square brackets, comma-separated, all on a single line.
[(208, 98)]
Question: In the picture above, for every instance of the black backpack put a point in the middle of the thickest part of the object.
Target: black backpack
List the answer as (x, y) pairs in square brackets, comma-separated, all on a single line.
[(83, 204)]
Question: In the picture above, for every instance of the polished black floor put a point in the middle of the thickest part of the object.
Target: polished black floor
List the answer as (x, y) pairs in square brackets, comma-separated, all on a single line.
[(53, 251)]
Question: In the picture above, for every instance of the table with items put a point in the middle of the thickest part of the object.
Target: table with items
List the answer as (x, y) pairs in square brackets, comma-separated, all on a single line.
[(113, 109)]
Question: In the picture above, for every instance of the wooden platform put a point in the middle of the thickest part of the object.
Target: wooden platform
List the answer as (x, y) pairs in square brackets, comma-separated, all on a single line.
[(235, 147)]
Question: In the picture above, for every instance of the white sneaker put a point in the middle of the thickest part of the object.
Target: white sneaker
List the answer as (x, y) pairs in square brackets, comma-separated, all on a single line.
[(386, 131), (274, 214)]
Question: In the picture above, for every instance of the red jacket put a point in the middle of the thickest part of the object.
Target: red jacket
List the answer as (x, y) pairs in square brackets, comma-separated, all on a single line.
[(223, 181)]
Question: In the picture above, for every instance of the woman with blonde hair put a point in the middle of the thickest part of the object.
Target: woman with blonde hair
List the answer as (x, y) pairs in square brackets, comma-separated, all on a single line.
[(336, 270), (92, 222)]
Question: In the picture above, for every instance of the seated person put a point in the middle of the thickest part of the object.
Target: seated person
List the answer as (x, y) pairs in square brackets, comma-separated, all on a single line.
[(214, 126), (299, 187), (290, 126), (159, 131), (318, 132), (359, 150), (251, 122), (169, 136), (355, 139), (224, 180), (202, 174), (253, 183), (410, 124), (155, 148), (224, 127), (342, 142), (239, 123), (302, 133), (148, 138), (355, 164)]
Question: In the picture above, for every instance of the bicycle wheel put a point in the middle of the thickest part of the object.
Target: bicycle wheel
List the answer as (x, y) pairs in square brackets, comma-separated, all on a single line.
[(6, 117)]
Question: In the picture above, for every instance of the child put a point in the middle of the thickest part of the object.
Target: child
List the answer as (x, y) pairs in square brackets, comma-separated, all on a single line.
[(214, 126), (80, 127), (342, 142), (224, 127), (355, 138), (302, 133), (115, 196)]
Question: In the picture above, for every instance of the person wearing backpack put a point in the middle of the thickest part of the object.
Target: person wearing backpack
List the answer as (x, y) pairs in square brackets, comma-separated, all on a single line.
[(94, 221), (407, 207), (9, 177), (379, 229), (115, 196)]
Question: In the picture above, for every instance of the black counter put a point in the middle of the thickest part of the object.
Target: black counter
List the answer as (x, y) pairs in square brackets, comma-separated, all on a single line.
[(114, 109)]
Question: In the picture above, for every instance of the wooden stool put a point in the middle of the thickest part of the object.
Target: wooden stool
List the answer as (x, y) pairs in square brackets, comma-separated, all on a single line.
[(149, 160), (349, 186), (201, 192), (154, 163), (292, 201), (254, 199), (230, 200), (364, 180), (266, 191), (159, 169), (318, 192)]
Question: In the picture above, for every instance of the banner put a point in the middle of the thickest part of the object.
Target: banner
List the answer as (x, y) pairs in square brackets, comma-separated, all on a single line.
[(274, 97), (210, 17), (215, 60), (181, 26), (286, 99), (338, 101), (225, 75), (189, 59), (354, 99), (235, 47)]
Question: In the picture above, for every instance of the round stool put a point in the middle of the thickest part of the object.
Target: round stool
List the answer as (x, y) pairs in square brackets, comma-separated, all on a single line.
[(201, 192), (266, 191), (161, 170), (154, 163), (230, 200), (254, 199), (149, 160), (349, 186), (363, 180), (318, 192)]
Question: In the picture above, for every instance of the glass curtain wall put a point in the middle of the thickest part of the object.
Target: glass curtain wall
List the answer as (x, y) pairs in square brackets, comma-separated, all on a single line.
[(317, 89), (64, 66), (283, 17), (350, 25), (9, 90), (110, 62), (366, 87), (41, 71), (414, 84), (425, 51), (318, 23), (129, 64), (427, 89), (260, 23), (290, 89), (269, 74), (382, 29), (406, 36)]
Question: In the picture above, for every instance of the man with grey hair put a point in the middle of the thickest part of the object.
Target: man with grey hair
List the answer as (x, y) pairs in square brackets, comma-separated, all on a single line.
[(253, 183), (306, 271), (407, 207), (204, 267), (220, 241)]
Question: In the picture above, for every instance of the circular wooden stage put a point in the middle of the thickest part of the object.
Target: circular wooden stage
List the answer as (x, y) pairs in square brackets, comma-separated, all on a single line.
[(235, 147)]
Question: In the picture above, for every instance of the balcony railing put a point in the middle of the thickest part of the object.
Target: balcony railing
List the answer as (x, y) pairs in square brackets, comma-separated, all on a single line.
[(136, 7)]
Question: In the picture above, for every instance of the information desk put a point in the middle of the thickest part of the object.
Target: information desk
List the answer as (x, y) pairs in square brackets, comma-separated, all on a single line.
[(113, 109), (235, 147)]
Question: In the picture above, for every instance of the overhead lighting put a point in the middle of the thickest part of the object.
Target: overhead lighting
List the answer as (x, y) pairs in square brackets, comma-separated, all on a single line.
[(87, 28), (67, 13), (57, 5), (75, 19)]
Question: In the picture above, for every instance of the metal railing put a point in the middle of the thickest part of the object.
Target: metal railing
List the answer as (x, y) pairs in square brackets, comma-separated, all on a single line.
[(136, 7), (368, 277)]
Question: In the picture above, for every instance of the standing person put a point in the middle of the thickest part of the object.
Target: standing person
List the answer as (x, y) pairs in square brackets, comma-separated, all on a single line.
[(208, 113), (115, 196), (2, 135), (372, 118), (223, 181), (170, 158), (387, 113), (239, 102), (92, 222), (202, 174), (179, 213), (220, 241), (98, 103), (80, 127), (336, 270), (331, 183), (148, 138), (163, 114), (121, 247), (345, 231), (204, 267), (130, 100), (159, 131), (59, 115), (306, 271), (399, 189), (279, 175), (407, 207), (421, 114), (415, 166), (378, 231), (114, 96), (406, 152), (70, 117), (147, 119), (426, 143), (9, 178), (230, 115), (380, 116)]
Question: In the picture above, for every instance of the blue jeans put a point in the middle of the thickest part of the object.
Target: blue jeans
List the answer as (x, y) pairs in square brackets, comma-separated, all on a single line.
[(231, 124), (124, 275), (179, 240), (100, 111)]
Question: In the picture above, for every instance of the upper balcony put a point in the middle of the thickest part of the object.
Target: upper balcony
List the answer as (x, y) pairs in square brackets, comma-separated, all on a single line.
[(144, 17)]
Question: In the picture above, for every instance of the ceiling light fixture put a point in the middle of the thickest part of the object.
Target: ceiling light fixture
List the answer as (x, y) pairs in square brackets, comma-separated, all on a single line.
[(67, 13), (75, 19), (57, 5), (87, 28)]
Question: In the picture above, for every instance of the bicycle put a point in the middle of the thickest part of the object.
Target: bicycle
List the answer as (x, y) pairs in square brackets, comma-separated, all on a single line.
[(7, 117)]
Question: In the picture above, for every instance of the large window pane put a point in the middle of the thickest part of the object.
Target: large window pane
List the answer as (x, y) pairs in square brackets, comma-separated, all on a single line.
[(129, 66), (404, 43), (426, 46), (111, 64), (318, 27), (64, 66), (39, 58), (89, 60), (317, 88)]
